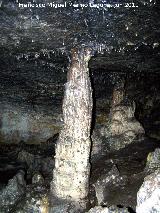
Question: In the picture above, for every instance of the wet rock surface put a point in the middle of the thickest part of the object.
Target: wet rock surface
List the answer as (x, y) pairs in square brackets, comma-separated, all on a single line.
[(58, 206), (121, 28), (31, 194), (37, 178), (36, 163)]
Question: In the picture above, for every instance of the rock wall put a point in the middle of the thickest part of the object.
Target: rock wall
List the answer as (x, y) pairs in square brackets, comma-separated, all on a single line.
[(30, 126)]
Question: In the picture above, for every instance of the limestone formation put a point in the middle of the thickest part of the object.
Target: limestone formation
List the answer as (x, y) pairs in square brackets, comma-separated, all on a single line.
[(37, 178), (72, 167), (123, 121), (153, 161), (148, 197), (112, 209), (122, 128), (36, 200), (36, 163), (13, 192), (112, 179), (99, 147)]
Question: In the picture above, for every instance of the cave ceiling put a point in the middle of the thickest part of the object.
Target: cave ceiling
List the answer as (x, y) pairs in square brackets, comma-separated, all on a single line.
[(35, 42)]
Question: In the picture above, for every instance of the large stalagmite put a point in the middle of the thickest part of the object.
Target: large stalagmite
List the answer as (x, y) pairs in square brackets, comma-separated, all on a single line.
[(72, 167)]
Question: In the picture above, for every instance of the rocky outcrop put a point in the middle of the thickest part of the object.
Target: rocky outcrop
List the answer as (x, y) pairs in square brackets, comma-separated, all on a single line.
[(66, 207), (37, 178), (12, 193), (36, 163), (99, 146), (148, 197), (27, 125), (72, 167), (36, 199), (153, 161), (112, 179), (122, 128)]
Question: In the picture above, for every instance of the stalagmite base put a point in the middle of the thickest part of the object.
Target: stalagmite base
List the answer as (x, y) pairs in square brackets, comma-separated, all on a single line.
[(72, 167)]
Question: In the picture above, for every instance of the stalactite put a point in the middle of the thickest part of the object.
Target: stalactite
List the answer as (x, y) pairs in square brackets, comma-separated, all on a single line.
[(72, 167)]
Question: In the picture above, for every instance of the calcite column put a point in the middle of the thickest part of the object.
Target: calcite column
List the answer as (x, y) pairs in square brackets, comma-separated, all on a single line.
[(72, 167)]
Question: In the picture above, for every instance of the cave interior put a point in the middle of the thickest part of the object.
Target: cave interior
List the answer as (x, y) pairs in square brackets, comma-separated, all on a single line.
[(35, 55)]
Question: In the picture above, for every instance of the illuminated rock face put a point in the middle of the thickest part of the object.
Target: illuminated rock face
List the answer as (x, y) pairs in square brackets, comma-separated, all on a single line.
[(72, 167), (148, 196)]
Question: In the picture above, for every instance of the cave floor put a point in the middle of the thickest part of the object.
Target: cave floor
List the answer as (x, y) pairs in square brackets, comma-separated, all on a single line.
[(130, 162)]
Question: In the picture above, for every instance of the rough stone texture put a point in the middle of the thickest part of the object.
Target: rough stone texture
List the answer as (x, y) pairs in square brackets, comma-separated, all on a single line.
[(123, 121), (36, 163), (112, 178), (27, 125), (112, 209), (32, 72), (118, 93), (99, 146), (63, 207), (37, 178), (120, 127), (148, 197), (35, 47), (36, 200), (119, 29), (153, 161), (123, 128), (66, 207), (12, 193), (73, 148)]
